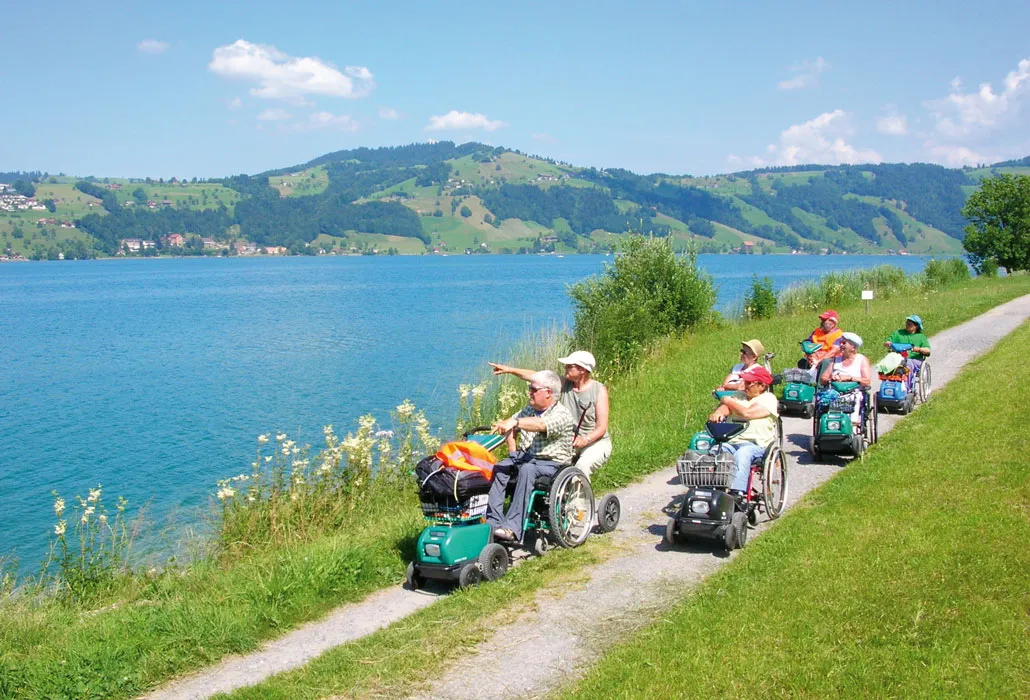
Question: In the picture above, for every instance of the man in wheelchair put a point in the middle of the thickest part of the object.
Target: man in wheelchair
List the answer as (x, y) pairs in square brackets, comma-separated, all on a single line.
[(759, 408), (539, 444)]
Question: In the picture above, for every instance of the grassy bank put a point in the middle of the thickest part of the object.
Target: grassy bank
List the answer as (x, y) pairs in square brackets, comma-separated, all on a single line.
[(905, 576), (147, 629)]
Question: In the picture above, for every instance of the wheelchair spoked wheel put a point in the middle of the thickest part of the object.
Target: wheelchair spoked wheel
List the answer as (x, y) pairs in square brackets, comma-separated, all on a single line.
[(871, 426), (774, 482), (570, 512), (608, 513), (925, 380)]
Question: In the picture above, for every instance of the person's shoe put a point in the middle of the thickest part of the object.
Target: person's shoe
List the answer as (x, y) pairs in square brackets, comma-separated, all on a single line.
[(503, 533), (739, 502)]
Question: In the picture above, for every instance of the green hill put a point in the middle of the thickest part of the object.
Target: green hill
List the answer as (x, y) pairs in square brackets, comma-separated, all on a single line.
[(443, 197)]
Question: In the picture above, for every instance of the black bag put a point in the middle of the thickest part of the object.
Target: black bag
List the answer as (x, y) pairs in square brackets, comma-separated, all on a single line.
[(439, 483)]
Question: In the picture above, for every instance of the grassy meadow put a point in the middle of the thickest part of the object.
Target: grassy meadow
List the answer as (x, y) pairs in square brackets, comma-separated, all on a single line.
[(904, 576)]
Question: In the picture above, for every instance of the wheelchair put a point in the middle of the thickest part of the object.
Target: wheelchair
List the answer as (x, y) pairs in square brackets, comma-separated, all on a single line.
[(895, 394), (708, 511), (833, 431), (561, 511)]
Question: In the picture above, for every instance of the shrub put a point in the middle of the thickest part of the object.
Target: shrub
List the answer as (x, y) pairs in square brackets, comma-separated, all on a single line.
[(760, 301), (988, 268), (943, 273), (646, 294)]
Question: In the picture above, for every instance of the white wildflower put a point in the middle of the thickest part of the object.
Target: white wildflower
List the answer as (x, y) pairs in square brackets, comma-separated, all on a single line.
[(366, 422), (279, 437), (327, 430), (262, 439), (384, 434), (405, 409), (226, 492), (94, 495), (102, 519), (463, 390), (479, 391), (59, 507), (59, 529), (268, 459)]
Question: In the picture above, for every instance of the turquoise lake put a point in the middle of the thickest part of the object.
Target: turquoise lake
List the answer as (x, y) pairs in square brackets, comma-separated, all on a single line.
[(154, 377)]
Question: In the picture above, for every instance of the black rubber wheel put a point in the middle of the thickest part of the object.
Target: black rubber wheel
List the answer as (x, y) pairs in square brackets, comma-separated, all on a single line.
[(752, 515), (570, 512), (740, 529), (857, 444), (535, 542), (493, 561), (774, 482), (413, 579), (469, 575), (608, 513), (872, 421), (729, 535), (671, 538)]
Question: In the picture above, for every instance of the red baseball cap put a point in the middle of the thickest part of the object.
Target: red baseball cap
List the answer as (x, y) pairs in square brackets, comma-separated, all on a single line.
[(830, 314), (757, 374)]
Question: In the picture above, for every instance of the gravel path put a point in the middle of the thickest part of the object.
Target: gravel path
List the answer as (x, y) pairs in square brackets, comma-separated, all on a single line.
[(562, 634)]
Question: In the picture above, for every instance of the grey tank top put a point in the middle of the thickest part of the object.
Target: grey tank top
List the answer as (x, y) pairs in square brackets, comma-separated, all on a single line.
[(579, 401)]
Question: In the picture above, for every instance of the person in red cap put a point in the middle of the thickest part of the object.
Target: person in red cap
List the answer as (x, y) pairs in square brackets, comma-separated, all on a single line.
[(760, 409), (828, 335)]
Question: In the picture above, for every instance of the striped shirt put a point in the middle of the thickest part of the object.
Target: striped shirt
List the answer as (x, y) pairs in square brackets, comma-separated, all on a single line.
[(555, 443)]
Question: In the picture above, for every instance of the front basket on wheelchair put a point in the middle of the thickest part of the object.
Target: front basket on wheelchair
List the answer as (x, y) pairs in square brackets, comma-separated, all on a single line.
[(711, 470)]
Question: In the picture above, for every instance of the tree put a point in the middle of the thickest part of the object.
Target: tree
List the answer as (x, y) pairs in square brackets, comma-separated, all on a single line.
[(999, 224), (466, 212)]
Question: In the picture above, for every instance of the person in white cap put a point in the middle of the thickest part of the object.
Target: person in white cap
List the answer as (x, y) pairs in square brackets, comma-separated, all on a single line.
[(587, 401), (850, 366)]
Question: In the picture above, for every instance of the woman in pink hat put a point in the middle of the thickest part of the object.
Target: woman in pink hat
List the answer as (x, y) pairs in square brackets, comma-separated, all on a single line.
[(587, 401)]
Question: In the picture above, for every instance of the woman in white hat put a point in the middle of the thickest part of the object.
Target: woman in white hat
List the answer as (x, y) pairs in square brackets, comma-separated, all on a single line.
[(587, 401), (850, 366)]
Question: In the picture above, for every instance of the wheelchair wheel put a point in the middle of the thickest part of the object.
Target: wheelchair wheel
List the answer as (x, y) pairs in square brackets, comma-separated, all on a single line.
[(871, 426), (925, 382), (671, 538), (608, 513), (469, 575), (570, 511), (774, 482), (493, 561)]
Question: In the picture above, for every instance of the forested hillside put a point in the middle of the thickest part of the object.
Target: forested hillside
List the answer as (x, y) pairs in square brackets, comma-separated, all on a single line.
[(442, 197)]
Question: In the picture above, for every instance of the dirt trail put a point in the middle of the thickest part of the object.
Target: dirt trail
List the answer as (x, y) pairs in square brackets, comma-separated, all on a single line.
[(564, 633)]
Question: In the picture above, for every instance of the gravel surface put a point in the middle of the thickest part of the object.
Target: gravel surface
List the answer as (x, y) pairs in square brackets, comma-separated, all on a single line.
[(562, 634)]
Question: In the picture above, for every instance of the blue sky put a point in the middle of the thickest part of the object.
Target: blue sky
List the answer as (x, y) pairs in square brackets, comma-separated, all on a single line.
[(210, 89)]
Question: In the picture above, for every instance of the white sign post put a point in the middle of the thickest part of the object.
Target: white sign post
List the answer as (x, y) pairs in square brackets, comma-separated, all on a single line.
[(867, 294)]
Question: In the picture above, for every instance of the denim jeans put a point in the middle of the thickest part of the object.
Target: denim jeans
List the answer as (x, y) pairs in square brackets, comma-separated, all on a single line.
[(913, 370), (744, 454)]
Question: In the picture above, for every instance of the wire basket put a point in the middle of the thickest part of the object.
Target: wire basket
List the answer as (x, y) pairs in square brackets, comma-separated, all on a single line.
[(713, 470), (796, 375), (452, 511), (842, 405)]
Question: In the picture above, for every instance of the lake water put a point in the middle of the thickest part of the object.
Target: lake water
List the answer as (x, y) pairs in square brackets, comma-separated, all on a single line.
[(153, 377)]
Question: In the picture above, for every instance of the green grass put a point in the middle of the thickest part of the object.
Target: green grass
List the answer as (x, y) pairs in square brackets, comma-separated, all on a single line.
[(150, 628), (904, 576), (399, 659), (301, 184)]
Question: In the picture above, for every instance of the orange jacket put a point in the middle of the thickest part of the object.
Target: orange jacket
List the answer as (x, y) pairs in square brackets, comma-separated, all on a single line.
[(827, 340), (468, 455)]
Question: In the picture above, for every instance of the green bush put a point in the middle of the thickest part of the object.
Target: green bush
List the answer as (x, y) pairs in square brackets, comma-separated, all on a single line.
[(760, 301), (646, 294), (942, 273), (988, 267)]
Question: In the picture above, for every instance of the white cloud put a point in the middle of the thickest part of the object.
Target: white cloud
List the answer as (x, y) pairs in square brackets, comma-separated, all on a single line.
[(152, 46), (274, 115), (892, 123), (960, 114), (388, 113), (235, 103), (807, 75), (328, 121), (819, 140), (282, 77), (955, 156), (455, 120)]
